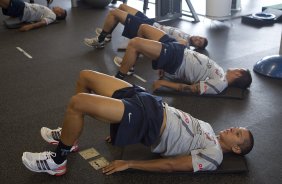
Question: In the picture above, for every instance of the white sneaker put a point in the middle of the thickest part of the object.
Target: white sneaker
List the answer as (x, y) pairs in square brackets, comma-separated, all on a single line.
[(53, 137), (43, 162), (99, 31), (93, 42), (118, 61)]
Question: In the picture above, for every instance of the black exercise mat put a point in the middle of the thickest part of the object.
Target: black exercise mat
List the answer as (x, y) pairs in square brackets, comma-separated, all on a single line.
[(230, 92), (231, 163)]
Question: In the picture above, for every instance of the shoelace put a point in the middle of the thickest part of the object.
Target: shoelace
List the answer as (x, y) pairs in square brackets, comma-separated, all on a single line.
[(46, 154), (92, 40)]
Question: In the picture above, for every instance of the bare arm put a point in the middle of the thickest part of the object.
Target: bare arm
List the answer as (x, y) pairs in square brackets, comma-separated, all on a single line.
[(28, 27), (194, 88), (180, 163)]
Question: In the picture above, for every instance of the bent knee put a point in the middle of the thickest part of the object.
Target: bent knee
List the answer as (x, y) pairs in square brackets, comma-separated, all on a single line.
[(122, 7), (113, 12), (76, 102), (117, 13), (135, 42), (141, 29), (84, 75), (144, 27)]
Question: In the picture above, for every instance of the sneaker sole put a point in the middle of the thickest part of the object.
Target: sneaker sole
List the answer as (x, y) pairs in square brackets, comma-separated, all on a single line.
[(62, 172), (97, 47), (116, 62)]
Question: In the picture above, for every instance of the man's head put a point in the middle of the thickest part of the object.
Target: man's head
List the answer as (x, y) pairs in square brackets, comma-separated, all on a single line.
[(198, 42), (239, 77), (61, 13), (238, 140)]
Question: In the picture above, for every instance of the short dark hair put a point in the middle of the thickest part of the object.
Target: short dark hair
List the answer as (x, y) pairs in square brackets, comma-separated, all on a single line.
[(205, 43), (244, 81), (248, 145), (62, 17), (199, 47)]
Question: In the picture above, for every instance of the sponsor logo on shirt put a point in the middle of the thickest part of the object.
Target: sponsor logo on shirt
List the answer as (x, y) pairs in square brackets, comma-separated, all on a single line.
[(184, 116), (200, 166), (205, 88), (217, 72)]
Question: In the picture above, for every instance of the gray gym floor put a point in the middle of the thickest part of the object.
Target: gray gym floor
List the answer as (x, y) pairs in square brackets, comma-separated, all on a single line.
[(34, 93)]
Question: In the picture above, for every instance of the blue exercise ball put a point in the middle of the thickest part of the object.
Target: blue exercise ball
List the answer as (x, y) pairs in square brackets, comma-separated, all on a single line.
[(98, 3), (270, 66)]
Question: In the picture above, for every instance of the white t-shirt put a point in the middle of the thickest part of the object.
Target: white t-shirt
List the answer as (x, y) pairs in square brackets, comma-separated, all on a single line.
[(196, 68), (36, 13), (173, 32), (186, 135)]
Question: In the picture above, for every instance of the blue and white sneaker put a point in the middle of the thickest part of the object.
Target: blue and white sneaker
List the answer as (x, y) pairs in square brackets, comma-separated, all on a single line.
[(53, 137), (43, 162), (118, 61)]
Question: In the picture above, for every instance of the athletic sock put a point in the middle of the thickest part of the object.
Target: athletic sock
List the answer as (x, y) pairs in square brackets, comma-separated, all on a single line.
[(102, 36), (120, 75), (61, 153)]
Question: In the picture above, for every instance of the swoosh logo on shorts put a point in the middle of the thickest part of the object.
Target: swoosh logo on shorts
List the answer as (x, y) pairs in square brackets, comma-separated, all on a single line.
[(129, 115)]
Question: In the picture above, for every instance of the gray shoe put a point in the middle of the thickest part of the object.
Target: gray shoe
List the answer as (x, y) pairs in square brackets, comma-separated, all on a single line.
[(93, 42)]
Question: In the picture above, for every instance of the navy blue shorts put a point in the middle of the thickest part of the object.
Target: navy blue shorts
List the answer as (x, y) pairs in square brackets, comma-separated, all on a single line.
[(171, 57), (133, 22), (166, 39), (142, 118), (15, 9)]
